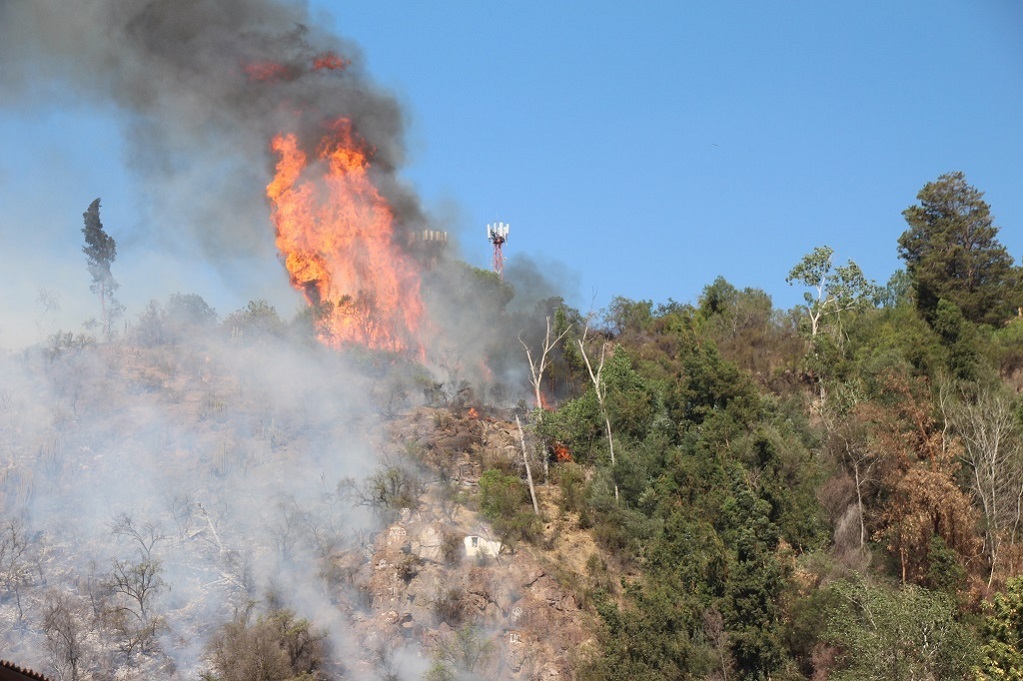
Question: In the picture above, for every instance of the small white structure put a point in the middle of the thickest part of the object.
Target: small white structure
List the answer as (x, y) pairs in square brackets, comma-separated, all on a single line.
[(476, 545), (396, 535)]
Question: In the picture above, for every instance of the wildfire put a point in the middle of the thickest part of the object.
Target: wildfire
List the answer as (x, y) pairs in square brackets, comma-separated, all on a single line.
[(268, 71), (271, 71), (330, 61), (473, 414), (336, 233), (561, 453)]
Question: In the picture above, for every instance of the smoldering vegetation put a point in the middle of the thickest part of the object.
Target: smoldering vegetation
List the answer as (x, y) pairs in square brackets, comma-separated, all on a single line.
[(478, 325), (153, 486), (173, 495)]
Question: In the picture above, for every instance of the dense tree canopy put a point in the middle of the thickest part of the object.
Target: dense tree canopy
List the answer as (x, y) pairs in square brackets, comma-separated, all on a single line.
[(816, 505)]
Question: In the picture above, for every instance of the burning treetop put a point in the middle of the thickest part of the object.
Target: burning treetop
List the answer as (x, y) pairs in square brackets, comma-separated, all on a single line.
[(206, 85), (336, 233)]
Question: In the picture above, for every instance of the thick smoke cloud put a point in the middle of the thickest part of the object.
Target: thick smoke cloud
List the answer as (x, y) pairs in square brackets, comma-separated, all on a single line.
[(232, 449), (235, 496), (200, 88), (229, 460)]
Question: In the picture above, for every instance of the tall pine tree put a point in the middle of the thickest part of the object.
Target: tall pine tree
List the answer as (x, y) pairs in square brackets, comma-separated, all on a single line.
[(100, 251), (952, 253)]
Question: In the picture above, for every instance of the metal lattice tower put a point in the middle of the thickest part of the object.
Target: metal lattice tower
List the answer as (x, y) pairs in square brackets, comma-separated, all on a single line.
[(497, 234)]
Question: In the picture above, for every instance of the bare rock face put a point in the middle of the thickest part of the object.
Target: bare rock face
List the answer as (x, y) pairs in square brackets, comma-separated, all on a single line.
[(428, 543), (425, 594)]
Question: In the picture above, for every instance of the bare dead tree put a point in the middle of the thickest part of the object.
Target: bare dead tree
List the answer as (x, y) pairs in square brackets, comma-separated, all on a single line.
[(847, 440), (64, 626), (94, 590), (717, 637), (537, 367), (286, 528), (232, 564), (993, 451), (600, 389), (50, 302), (135, 585), (15, 560), (386, 664), (465, 650), (525, 460), (144, 536), (181, 508)]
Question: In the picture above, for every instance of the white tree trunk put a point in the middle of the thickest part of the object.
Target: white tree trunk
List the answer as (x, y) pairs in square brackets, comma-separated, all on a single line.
[(525, 460)]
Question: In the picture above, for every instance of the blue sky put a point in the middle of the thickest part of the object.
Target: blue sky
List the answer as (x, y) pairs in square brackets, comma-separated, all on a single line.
[(650, 147), (636, 149)]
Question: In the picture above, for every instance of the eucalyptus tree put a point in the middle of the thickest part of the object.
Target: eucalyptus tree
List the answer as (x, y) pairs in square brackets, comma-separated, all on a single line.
[(834, 289)]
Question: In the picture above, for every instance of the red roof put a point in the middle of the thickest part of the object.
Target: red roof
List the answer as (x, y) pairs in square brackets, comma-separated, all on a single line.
[(12, 672)]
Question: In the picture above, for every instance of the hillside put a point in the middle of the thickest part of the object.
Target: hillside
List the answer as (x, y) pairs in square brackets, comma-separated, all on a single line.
[(156, 492), (717, 490)]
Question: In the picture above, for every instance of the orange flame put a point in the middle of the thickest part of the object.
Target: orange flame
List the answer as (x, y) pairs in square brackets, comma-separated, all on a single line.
[(561, 453), (330, 61), (268, 71), (473, 414), (336, 233)]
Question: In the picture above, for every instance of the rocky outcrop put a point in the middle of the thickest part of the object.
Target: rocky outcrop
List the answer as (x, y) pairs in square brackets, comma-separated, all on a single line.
[(420, 589)]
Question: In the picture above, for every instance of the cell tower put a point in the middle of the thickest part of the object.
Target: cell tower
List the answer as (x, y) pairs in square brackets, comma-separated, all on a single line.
[(497, 234)]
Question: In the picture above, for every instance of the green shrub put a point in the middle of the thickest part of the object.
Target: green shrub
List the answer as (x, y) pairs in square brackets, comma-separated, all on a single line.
[(504, 501)]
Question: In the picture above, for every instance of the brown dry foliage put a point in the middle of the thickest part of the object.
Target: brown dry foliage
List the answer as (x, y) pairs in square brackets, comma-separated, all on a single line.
[(919, 494)]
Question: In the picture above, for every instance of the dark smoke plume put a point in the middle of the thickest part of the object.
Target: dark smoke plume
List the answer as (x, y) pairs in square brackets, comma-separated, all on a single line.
[(201, 86)]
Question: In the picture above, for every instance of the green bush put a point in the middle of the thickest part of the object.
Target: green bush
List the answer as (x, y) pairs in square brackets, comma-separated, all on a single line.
[(504, 501), (571, 479)]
